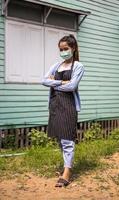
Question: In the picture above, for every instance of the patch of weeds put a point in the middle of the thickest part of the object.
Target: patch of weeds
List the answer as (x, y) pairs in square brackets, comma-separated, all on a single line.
[(115, 134), (94, 132), (110, 146), (8, 141), (40, 138)]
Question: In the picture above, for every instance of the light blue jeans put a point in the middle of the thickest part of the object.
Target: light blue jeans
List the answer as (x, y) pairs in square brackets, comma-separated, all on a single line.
[(67, 147)]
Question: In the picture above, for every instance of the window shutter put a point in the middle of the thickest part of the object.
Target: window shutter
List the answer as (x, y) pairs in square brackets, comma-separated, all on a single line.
[(34, 54), (51, 47), (15, 49), (24, 52), (52, 37)]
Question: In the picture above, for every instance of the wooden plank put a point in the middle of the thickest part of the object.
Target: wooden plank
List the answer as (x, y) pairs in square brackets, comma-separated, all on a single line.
[(23, 105), (98, 50), (90, 44), (23, 98), (24, 115), (96, 36), (106, 4), (117, 123), (0, 139), (29, 87), (27, 142), (22, 93), (106, 22), (17, 133), (24, 121), (25, 110), (22, 137), (1, 74), (1, 80)]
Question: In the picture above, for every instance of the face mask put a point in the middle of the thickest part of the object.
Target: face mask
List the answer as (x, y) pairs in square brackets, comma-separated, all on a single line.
[(66, 54)]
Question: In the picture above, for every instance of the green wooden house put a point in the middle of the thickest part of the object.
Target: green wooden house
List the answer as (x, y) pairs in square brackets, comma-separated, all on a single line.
[(29, 33)]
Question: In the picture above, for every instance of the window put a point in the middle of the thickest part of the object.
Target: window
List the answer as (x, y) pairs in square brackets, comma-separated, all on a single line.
[(26, 11), (32, 48), (65, 19)]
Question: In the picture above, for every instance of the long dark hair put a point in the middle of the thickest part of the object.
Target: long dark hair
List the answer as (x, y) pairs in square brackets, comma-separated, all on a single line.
[(71, 41)]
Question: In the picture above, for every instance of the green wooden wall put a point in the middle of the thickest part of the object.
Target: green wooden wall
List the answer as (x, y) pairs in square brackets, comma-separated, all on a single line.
[(98, 37)]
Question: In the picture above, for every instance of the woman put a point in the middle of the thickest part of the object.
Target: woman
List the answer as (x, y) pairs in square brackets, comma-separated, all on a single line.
[(64, 102)]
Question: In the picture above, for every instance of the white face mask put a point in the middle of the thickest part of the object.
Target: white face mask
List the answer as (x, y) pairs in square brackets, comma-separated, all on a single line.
[(67, 54)]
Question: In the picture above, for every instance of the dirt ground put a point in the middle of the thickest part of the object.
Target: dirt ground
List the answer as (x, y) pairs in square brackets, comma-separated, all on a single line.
[(94, 185)]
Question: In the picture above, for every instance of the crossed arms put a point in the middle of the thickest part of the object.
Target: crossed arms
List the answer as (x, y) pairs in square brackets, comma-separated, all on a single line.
[(66, 86)]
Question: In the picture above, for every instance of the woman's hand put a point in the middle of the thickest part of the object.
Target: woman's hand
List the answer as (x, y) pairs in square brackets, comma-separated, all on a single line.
[(52, 77), (64, 82)]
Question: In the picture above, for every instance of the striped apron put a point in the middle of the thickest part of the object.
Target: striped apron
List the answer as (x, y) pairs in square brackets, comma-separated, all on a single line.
[(62, 111)]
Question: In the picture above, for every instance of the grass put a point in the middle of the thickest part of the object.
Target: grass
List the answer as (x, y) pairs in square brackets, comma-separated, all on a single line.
[(45, 161), (88, 154)]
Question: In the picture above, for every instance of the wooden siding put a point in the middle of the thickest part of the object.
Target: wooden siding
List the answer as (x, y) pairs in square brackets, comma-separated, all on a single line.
[(23, 104), (99, 45)]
